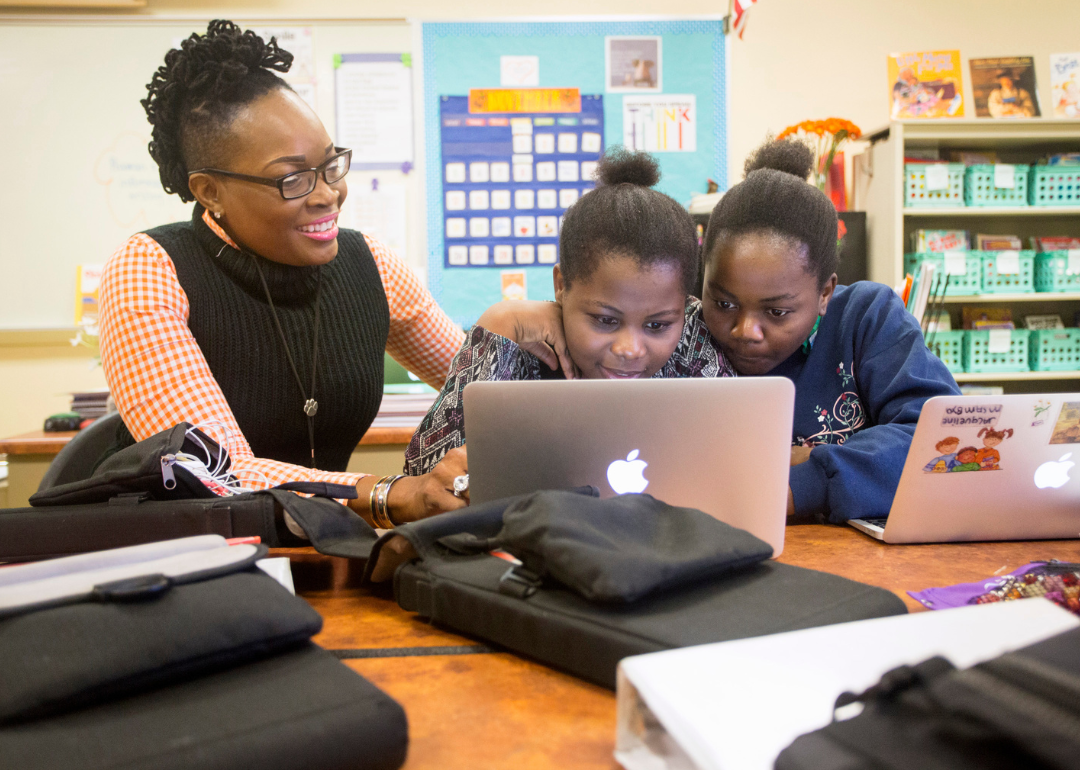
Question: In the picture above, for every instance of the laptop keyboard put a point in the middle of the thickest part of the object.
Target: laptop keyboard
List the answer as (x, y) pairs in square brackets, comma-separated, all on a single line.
[(876, 521)]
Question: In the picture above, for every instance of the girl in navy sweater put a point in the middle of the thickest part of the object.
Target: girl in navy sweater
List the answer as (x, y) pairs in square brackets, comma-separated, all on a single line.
[(857, 358)]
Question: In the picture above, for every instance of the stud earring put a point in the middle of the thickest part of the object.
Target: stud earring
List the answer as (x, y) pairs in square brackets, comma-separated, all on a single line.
[(217, 215)]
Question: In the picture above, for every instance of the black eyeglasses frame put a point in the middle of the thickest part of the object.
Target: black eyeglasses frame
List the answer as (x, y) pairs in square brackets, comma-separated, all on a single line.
[(279, 182)]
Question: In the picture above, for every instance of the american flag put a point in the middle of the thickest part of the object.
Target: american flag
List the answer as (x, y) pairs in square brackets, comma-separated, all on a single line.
[(739, 9)]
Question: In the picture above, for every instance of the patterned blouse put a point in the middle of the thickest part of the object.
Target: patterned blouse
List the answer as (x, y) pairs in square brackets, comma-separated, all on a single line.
[(487, 357)]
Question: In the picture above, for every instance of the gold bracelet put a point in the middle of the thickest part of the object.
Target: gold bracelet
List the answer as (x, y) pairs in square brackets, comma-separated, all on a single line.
[(376, 511)]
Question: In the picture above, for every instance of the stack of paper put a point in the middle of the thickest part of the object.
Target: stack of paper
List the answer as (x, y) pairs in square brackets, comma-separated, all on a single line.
[(739, 704), (91, 404), (403, 410)]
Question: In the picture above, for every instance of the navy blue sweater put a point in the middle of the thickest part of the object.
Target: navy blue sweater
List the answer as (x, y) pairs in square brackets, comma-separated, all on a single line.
[(858, 394)]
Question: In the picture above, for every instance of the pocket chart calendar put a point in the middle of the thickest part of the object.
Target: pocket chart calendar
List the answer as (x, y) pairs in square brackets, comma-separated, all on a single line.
[(508, 177)]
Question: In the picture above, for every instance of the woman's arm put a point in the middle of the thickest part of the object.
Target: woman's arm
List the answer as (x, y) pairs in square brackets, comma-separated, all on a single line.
[(422, 337), (159, 377)]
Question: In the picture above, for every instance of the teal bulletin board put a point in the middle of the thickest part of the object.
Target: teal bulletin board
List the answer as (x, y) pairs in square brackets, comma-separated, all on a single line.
[(458, 57)]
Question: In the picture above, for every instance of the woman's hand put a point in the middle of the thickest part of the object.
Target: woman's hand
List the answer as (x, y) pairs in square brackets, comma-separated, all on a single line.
[(535, 326), (416, 497)]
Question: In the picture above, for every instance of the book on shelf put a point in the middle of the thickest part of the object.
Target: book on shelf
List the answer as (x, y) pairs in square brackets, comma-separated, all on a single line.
[(926, 84), (998, 242), (973, 157), (939, 240), (1054, 243), (1052, 321), (1064, 159), (987, 317), (403, 410), (1065, 84), (1004, 87)]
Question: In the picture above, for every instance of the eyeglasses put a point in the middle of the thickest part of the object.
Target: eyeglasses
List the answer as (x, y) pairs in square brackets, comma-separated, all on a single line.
[(298, 183)]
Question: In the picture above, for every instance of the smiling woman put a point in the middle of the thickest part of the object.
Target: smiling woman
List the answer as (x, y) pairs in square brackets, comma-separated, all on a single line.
[(259, 319)]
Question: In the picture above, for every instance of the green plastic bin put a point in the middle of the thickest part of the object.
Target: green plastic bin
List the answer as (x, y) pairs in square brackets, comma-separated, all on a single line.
[(1054, 186), (1054, 350), (979, 359), (979, 188), (970, 282), (996, 282), (1052, 272), (917, 196)]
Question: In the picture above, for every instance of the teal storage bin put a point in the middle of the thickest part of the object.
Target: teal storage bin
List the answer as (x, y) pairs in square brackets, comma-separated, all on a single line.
[(996, 282), (970, 282), (979, 189), (1054, 350), (949, 347), (1054, 186), (1052, 272), (917, 196), (979, 359)]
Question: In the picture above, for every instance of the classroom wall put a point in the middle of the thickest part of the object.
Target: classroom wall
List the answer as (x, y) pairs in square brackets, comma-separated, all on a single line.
[(798, 60)]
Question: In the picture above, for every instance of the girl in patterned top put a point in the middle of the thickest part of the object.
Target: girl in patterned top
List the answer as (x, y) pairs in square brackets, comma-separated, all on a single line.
[(629, 260)]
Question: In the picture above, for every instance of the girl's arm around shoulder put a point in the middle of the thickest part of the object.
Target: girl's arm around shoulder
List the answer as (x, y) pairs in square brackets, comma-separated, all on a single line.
[(697, 354)]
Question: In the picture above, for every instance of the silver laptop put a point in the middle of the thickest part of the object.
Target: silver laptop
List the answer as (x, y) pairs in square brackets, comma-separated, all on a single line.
[(720, 445), (988, 468)]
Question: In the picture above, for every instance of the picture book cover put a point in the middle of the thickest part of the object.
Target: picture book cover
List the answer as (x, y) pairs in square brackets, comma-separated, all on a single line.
[(926, 84), (1065, 84), (1004, 87)]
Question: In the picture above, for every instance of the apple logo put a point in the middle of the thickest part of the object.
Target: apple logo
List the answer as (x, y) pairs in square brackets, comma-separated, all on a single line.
[(627, 476), (1051, 474)]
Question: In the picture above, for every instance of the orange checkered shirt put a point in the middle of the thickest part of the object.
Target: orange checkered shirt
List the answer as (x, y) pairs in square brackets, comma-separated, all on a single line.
[(158, 376)]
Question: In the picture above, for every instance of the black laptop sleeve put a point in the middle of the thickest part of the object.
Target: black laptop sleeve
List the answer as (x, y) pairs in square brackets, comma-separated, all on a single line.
[(140, 495), (213, 669), (708, 583)]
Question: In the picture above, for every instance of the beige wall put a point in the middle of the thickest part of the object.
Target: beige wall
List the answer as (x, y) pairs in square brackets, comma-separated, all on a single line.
[(799, 60)]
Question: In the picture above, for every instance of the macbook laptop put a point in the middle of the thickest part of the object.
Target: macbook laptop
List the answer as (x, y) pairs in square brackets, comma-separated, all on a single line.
[(720, 445), (988, 468)]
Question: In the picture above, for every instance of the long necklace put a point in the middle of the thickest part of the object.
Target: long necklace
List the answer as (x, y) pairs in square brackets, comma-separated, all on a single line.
[(311, 406)]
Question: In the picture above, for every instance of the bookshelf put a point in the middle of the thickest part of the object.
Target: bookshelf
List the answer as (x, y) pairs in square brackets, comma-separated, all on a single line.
[(879, 190)]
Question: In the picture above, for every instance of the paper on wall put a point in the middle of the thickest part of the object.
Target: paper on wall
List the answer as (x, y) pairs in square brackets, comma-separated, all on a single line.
[(377, 206), (298, 41), (517, 71), (660, 123), (374, 109)]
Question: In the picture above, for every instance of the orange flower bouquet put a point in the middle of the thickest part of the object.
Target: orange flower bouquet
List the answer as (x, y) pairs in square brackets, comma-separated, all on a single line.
[(825, 138)]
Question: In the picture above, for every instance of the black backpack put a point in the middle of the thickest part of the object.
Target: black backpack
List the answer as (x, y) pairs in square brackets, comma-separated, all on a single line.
[(1021, 710)]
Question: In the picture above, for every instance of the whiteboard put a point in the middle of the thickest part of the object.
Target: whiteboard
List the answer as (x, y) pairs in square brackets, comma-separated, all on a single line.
[(78, 178)]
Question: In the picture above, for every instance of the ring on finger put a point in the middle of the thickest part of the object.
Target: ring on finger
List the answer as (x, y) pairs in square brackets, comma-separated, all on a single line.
[(461, 485)]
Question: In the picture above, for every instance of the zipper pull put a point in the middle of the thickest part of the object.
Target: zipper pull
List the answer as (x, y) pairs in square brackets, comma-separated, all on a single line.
[(167, 474)]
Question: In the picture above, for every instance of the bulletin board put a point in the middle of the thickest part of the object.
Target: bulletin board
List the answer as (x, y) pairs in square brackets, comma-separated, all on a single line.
[(472, 249)]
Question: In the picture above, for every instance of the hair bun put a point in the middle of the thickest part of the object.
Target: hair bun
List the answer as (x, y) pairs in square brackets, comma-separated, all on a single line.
[(621, 166), (788, 155)]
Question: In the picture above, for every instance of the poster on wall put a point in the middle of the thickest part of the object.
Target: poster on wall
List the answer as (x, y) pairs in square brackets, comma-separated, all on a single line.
[(1065, 84), (1004, 87), (514, 160), (926, 84), (517, 115), (633, 64), (662, 123)]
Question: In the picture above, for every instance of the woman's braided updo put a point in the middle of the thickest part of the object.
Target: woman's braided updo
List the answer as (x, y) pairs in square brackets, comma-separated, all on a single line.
[(195, 95)]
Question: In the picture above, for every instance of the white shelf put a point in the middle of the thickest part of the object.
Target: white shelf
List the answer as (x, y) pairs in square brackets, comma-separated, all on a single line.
[(993, 211), (1015, 376), (1032, 296)]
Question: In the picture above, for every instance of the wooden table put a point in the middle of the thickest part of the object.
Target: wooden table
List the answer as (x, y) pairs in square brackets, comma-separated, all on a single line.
[(472, 708), (381, 452)]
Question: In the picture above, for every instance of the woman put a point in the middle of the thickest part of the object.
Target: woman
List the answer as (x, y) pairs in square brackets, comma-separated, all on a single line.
[(260, 320), (629, 260)]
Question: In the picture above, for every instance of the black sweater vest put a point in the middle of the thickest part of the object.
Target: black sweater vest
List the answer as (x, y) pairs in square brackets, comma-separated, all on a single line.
[(232, 323)]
